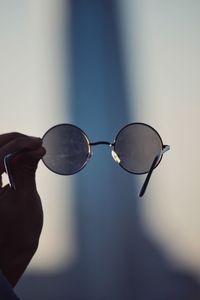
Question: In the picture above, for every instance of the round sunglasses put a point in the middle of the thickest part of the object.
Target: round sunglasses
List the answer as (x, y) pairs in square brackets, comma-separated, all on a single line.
[(137, 148)]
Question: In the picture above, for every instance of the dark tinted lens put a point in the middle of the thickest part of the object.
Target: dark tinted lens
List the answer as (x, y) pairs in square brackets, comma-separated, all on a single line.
[(67, 149), (137, 146)]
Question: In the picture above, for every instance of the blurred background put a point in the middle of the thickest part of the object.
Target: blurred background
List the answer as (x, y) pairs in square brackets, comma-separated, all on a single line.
[(100, 64)]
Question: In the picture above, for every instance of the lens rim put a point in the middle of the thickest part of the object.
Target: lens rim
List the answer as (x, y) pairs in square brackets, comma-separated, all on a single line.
[(144, 124), (88, 143)]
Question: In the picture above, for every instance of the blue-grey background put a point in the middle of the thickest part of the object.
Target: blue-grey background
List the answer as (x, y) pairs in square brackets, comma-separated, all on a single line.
[(101, 64)]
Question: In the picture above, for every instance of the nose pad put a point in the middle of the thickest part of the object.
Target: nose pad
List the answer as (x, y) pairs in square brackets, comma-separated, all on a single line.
[(115, 156), (89, 154)]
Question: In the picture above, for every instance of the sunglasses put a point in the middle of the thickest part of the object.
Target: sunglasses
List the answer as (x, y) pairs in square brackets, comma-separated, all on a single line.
[(137, 148)]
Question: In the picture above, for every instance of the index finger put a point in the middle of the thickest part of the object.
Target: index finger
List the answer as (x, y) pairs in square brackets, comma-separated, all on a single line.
[(16, 145), (8, 137)]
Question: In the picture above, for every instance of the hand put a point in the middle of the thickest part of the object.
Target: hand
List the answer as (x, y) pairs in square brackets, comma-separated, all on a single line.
[(21, 215)]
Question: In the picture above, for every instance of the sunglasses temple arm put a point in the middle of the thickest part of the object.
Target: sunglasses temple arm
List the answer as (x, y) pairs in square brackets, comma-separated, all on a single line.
[(8, 170), (145, 184)]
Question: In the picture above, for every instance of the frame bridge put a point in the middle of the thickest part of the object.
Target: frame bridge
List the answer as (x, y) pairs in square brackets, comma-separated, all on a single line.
[(101, 143)]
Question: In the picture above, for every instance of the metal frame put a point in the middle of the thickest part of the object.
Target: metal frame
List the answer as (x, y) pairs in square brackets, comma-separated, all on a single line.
[(155, 163)]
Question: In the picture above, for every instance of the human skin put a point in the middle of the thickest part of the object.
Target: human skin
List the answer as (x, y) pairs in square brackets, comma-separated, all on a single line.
[(21, 214)]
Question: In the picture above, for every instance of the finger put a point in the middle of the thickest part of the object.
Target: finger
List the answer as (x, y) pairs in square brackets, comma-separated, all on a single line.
[(28, 159), (17, 145), (8, 137), (23, 168)]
